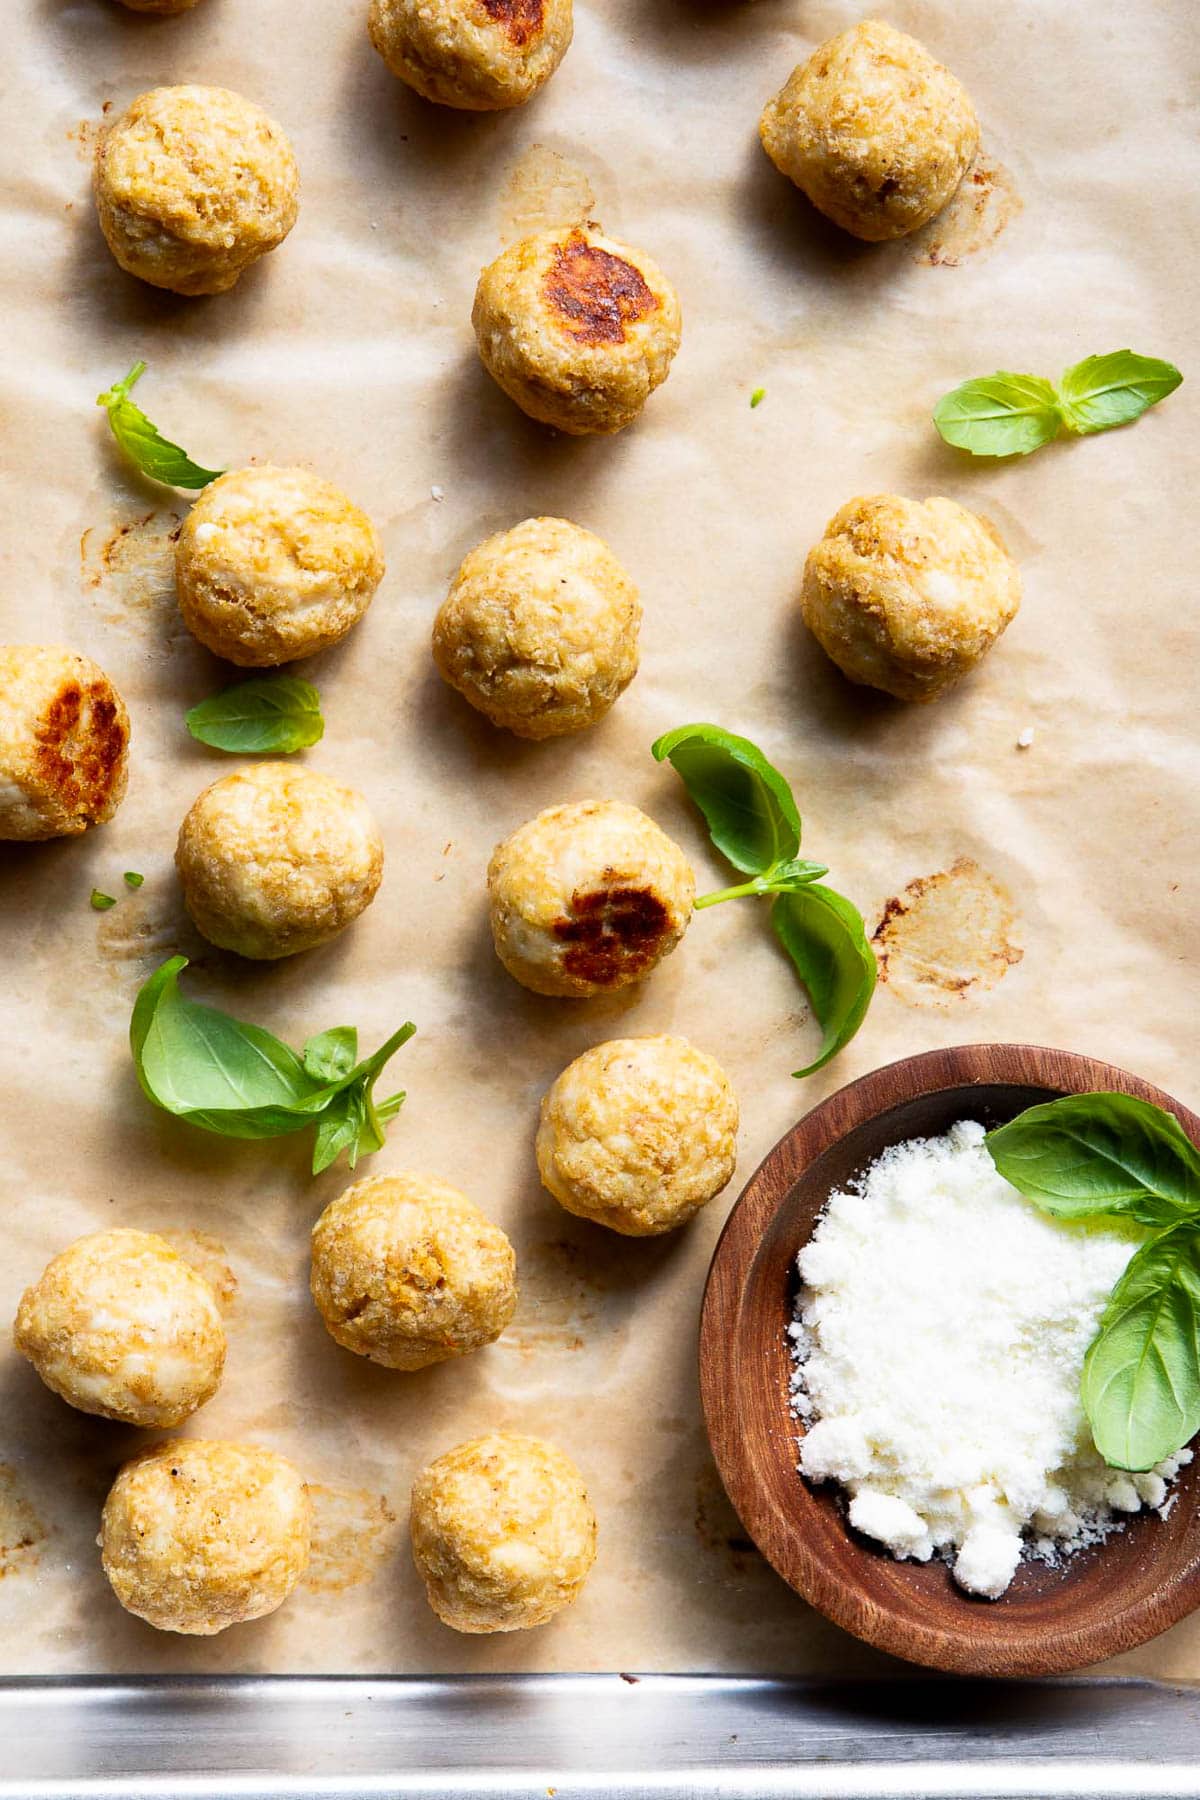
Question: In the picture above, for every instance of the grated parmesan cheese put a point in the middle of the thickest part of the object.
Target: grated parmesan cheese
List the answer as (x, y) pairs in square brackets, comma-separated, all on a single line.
[(938, 1344)]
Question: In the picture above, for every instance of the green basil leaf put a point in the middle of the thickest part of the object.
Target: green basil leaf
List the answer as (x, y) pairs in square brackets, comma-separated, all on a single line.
[(279, 713), (825, 937), (1141, 1375), (999, 415), (339, 1129), (1103, 391), (332, 1053), (144, 444), (751, 815), (101, 902), (1090, 1154)]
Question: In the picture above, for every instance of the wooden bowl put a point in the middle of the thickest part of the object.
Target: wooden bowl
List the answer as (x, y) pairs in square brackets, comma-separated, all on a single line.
[(1101, 1601)]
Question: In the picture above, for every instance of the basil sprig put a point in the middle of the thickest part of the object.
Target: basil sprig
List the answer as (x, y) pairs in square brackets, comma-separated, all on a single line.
[(279, 713), (143, 443), (239, 1081), (1108, 1155), (1010, 415), (754, 822)]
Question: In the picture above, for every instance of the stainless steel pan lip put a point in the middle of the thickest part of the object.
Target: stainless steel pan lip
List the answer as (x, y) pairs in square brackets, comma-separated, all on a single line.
[(595, 1737)]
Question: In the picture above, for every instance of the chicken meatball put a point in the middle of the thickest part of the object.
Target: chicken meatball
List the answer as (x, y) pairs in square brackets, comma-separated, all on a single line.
[(875, 132), (272, 564), (577, 329), (119, 1325), (406, 1271), (908, 595), (638, 1134), (193, 184), (587, 897), (64, 743), (275, 859), (503, 1533), (540, 629), (196, 1536), (480, 55)]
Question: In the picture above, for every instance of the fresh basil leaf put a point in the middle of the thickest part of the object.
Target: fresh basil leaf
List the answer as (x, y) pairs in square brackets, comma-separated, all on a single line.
[(1141, 1375), (332, 1053), (133, 879), (144, 444), (1090, 1154), (751, 815), (101, 902), (279, 713), (1103, 391), (999, 415), (339, 1129), (825, 937)]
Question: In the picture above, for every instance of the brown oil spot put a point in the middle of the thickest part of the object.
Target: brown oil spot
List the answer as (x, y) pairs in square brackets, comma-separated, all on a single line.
[(80, 744), (85, 136), (717, 1525), (595, 293), (208, 1256), (521, 19), (21, 1531), (560, 1298), (353, 1531), (130, 568), (986, 201), (136, 935), (612, 933), (543, 192), (947, 936)]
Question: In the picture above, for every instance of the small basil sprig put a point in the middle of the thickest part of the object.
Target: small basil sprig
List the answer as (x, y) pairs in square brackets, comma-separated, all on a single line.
[(1010, 415), (753, 821), (1108, 1155), (143, 443), (279, 713), (239, 1081)]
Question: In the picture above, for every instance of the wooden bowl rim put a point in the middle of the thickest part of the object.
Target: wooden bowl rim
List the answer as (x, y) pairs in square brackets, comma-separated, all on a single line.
[(863, 1100)]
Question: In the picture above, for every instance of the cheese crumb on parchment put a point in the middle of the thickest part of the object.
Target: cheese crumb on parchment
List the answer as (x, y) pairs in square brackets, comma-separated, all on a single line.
[(938, 1342)]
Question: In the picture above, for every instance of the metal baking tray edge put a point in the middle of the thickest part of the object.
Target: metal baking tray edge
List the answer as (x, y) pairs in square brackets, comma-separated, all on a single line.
[(594, 1737)]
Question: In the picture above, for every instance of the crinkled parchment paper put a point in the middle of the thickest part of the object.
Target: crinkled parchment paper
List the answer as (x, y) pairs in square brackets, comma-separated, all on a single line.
[(1045, 893)]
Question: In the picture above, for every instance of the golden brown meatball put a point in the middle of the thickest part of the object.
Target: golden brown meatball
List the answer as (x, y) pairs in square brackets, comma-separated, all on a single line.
[(873, 130), (275, 859), (272, 564), (407, 1272), (577, 329), (503, 1533), (193, 184), (587, 897), (638, 1134), (120, 1325), (540, 629), (64, 743), (908, 595), (197, 1536), (480, 55)]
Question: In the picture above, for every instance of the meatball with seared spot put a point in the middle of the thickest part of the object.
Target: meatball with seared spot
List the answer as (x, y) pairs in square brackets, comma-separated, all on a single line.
[(503, 1533), (197, 1536), (64, 743), (540, 629), (274, 564), (576, 328), (120, 1325), (192, 185), (407, 1272), (908, 595), (875, 132), (478, 55), (275, 859), (587, 897), (638, 1134)]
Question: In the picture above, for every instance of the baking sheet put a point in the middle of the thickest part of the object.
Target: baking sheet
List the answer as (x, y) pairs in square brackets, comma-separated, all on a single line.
[(1045, 894)]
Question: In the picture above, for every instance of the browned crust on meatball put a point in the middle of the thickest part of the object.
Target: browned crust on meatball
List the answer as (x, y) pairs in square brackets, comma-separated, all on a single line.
[(85, 771), (595, 293), (521, 19), (612, 932)]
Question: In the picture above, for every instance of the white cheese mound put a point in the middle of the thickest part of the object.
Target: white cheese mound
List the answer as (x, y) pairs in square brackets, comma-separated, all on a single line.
[(939, 1341)]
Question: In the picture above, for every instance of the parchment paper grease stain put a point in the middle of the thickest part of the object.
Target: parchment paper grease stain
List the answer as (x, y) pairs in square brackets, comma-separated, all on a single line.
[(353, 1531), (987, 200), (21, 1531), (947, 936), (544, 192), (131, 566)]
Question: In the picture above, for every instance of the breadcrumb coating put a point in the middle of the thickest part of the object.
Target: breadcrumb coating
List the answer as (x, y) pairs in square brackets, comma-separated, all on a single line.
[(479, 55), (64, 743)]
